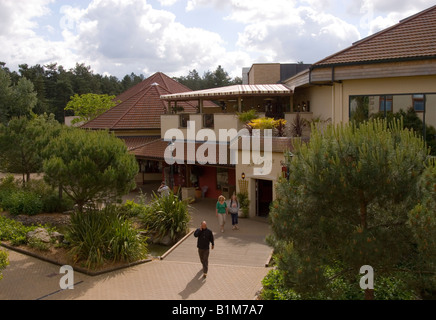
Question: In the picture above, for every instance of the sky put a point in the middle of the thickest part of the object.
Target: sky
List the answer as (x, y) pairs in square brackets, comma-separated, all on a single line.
[(118, 37)]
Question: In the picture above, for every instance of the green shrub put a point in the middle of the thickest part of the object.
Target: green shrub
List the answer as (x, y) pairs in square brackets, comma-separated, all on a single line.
[(4, 262), (244, 203), (23, 202), (38, 244), (52, 204), (275, 289), (385, 288), (14, 231), (8, 185), (126, 244), (132, 209), (247, 116), (36, 197), (98, 236), (167, 215)]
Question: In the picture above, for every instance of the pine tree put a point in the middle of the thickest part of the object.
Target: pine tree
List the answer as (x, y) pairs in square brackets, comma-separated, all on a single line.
[(346, 205)]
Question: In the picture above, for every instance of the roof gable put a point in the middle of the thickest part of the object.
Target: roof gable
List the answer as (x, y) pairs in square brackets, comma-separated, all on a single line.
[(412, 38), (141, 106)]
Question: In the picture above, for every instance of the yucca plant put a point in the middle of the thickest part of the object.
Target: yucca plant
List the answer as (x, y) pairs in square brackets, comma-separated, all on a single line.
[(167, 215), (88, 234), (126, 244), (97, 236)]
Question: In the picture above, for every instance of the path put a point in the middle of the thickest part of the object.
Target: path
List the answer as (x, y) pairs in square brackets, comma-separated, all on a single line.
[(237, 266)]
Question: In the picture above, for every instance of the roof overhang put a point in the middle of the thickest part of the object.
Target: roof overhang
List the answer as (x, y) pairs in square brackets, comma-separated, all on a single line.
[(231, 92)]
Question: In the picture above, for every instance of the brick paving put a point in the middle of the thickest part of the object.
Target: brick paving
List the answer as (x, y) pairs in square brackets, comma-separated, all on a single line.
[(237, 266)]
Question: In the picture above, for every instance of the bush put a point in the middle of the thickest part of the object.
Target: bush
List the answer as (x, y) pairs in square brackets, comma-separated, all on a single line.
[(36, 197), (8, 185), (132, 209), (52, 204), (14, 231), (167, 215), (4, 262), (23, 202), (244, 202), (386, 288), (98, 236)]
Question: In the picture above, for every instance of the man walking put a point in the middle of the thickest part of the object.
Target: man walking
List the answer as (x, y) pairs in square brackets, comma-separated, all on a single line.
[(205, 236)]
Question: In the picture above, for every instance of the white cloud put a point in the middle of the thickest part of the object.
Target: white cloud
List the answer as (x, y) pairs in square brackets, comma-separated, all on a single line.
[(123, 36), (18, 36), (284, 33), (167, 3)]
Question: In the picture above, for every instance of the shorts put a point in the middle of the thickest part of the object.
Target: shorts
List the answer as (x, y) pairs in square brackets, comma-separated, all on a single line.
[(221, 218)]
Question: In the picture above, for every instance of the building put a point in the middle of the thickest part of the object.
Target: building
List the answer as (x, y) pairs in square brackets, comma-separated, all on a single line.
[(137, 119), (391, 70), (271, 73)]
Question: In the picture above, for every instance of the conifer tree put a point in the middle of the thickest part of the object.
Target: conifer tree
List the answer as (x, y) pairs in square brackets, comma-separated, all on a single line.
[(346, 204)]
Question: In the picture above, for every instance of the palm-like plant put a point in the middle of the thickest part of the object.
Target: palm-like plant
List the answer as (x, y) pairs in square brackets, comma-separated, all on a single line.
[(167, 215)]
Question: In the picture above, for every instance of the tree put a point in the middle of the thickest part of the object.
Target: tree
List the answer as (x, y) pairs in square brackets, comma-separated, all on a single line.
[(218, 78), (89, 106), (15, 100), (346, 205), (422, 220), (22, 142), (90, 166)]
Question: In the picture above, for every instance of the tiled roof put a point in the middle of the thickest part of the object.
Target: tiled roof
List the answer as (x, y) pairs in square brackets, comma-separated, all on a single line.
[(411, 38), (136, 142), (141, 106), (156, 151)]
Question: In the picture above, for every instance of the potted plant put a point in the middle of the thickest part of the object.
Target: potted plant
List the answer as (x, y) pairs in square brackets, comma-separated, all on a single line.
[(247, 117), (244, 204)]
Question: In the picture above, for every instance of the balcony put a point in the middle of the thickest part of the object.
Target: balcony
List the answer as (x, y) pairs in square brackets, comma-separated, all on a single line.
[(214, 122)]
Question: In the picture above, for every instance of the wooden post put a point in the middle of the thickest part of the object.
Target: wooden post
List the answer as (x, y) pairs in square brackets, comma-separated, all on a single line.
[(200, 105)]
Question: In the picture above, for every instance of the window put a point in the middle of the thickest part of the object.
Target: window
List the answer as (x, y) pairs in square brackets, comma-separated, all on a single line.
[(386, 103), (208, 121), (418, 102), (184, 118), (418, 111)]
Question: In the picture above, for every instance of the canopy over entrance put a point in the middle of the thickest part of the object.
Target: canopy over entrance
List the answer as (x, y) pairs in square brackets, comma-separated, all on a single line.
[(237, 92)]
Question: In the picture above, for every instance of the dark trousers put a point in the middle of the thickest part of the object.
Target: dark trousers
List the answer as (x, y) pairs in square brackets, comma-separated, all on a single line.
[(234, 219), (204, 258)]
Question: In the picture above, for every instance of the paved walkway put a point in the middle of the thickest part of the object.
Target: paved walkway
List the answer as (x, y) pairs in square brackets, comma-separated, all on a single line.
[(236, 268)]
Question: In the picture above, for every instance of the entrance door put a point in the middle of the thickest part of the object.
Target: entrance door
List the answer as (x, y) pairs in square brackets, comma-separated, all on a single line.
[(264, 197)]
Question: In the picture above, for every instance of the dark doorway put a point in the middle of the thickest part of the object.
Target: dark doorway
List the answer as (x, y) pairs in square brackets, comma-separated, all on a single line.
[(264, 197)]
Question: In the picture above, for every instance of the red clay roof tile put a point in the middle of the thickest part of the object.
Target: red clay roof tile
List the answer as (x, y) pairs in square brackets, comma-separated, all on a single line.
[(141, 106), (411, 38)]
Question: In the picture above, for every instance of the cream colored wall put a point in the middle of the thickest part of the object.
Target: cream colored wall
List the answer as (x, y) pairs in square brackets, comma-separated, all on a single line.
[(320, 98), (168, 122), (290, 118), (430, 113), (404, 85), (251, 177), (323, 98), (221, 121), (226, 122)]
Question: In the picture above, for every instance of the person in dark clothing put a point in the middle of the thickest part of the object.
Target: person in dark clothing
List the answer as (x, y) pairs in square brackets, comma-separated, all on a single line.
[(205, 236)]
